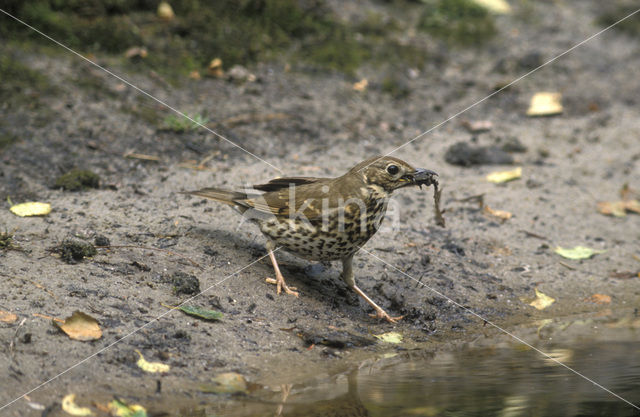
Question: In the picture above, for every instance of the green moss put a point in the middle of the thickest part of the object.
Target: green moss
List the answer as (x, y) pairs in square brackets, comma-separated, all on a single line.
[(615, 13), (180, 124), (236, 31), (20, 83), (77, 179), (7, 139), (458, 22), (6, 240), (395, 87), (73, 250), (337, 51)]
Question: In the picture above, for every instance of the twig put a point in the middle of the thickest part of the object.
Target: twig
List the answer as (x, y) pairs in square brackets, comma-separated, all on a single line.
[(194, 263), (436, 205)]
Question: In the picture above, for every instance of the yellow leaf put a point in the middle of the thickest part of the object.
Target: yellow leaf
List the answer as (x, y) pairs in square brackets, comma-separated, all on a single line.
[(391, 337), (495, 6), (541, 301), (69, 406), (504, 176), (545, 104), (31, 209), (165, 11), (80, 326), (121, 409), (577, 252), (151, 367), (501, 214), (7, 317)]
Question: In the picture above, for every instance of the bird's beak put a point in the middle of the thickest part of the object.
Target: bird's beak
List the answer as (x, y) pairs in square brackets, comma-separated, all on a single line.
[(421, 177)]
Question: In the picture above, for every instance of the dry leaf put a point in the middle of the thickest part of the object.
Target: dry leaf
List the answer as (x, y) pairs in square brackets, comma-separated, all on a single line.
[(215, 68), (478, 126), (577, 252), (227, 383), (495, 6), (31, 209), (7, 317), (504, 176), (80, 326), (151, 367), (501, 214), (612, 208), (541, 301), (135, 52), (545, 104), (361, 85), (165, 11), (390, 337), (599, 299)]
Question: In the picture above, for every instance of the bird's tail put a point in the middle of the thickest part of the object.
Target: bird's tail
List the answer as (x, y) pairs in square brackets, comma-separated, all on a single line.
[(232, 198)]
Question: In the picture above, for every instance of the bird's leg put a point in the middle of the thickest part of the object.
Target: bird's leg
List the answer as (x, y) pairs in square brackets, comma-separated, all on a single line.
[(279, 281), (347, 276)]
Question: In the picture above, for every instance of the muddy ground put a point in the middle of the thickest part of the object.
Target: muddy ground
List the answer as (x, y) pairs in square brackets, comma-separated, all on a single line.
[(303, 121)]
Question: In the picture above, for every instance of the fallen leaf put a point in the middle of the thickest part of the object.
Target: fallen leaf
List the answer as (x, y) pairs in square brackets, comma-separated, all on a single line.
[(632, 205), (612, 208), (545, 104), (501, 214), (577, 252), (477, 126), (151, 367), (215, 68), (495, 6), (203, 313), (559, 355), (390, 337), (7, 317), (504, 176), (80, 326), (136, 51), (541, 301), (599, 299), (361, 85), (31, 209), (227, 383), (70, 407), (165, 11), (121, 409)]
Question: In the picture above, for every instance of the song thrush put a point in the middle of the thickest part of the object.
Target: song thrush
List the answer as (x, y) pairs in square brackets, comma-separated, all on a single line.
[(324, 219)]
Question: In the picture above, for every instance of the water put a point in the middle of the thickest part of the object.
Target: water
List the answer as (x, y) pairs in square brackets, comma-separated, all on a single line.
[(494, 376)]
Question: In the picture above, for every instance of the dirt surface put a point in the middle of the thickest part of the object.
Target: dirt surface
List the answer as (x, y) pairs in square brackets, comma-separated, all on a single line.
[(309, 123)]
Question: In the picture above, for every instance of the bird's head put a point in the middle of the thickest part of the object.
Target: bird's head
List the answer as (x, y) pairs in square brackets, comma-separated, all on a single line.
[(392, 173)]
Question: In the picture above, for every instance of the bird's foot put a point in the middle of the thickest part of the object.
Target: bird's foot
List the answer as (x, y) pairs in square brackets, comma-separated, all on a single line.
[(381, 314), (282, 286)]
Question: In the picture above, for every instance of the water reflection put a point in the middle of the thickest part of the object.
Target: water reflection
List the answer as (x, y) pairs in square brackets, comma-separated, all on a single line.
[(495, 377)]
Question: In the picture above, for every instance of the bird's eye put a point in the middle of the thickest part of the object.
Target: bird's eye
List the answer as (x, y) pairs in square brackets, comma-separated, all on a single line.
[(393, 169)]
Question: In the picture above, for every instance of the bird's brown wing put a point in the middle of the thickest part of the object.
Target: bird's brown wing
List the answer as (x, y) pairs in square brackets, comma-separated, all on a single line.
[(280, 183), (306, 198)]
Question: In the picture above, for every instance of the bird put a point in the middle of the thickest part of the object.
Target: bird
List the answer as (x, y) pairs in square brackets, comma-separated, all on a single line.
[(324, 219)]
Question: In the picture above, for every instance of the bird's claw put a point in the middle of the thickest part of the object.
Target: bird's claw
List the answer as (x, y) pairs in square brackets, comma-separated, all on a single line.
[(281, 285), (381, 314)]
